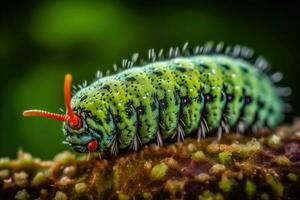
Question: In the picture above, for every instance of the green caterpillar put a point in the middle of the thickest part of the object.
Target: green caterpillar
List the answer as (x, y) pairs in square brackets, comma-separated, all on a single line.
[(215, 88)]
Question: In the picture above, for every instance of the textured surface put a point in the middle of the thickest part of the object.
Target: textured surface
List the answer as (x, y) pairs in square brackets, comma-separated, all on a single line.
[(265, 166)]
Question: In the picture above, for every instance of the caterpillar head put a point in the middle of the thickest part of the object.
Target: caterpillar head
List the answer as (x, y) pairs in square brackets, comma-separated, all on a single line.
[(79, 136)]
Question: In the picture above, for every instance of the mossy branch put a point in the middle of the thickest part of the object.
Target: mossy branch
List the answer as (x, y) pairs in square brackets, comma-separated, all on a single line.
[(261, 166)]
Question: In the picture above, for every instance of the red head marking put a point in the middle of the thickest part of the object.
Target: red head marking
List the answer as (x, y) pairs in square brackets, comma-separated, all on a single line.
[(92, 145), (71, 119)]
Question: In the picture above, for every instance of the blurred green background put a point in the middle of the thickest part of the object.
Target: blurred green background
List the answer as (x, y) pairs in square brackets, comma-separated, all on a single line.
[(43, 40)]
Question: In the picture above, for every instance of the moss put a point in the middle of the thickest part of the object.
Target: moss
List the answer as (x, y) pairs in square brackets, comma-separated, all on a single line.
[(225, 184), (44, 193), (265, 196), (21, 179), (274, 141), (208, 195), (8, 183), (69, 171), (275, 185), (25, 159), (4, 163), (171, 162), (292, 176), (235, 147), (81, 187), (4, 174), (22, 195), (213, 148), (198, 155), (123, 196), (65, 158), (250, 188), (217, 169), (39, 179), (202, 177), (236, 167), (225, 157), (158, 171), (192, 148), (147, 196), (250, 148), (60, 196), (282, 161), (173, 187)]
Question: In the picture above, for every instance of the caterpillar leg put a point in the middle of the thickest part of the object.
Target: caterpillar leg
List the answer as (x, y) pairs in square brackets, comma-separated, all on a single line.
[(179, 133), (159, 139)]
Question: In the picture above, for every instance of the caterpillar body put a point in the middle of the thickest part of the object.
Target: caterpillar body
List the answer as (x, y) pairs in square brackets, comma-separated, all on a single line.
[(215, 88)]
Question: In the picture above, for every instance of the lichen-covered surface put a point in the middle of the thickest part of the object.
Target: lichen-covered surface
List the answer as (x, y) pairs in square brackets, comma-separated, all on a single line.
[(265, 166)]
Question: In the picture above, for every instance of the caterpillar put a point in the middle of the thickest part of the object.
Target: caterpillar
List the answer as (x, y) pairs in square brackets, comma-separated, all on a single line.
[(192, 92)]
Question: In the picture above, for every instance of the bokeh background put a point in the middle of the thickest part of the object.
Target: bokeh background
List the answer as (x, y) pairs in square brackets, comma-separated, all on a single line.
[(41, 41)]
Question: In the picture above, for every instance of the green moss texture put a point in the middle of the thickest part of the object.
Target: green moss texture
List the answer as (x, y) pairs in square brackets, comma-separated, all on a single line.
[(261, 166)]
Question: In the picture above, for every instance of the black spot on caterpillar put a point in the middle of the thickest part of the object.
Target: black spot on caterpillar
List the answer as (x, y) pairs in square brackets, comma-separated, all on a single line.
[(212, 88)]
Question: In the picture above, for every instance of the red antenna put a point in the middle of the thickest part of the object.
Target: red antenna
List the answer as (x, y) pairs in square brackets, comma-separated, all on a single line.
[(72, 119)]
